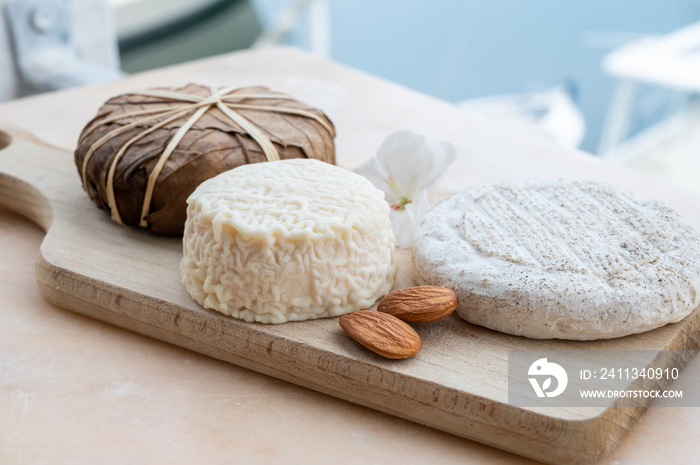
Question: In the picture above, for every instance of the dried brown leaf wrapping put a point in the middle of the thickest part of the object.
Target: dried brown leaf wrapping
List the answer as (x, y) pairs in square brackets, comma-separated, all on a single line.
[(213, 145)]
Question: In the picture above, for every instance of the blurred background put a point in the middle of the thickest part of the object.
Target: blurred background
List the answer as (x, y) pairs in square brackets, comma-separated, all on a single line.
[(618, 79)]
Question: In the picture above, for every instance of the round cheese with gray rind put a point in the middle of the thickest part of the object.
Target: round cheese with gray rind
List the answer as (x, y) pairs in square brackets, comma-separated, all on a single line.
[(288, 240), (561, 259)]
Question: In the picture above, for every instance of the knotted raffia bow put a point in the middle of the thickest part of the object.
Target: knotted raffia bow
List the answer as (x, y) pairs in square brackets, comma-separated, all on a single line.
[(225, 99)]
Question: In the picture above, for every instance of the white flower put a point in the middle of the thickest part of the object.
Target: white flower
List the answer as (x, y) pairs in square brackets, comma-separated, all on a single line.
[(406, 168)]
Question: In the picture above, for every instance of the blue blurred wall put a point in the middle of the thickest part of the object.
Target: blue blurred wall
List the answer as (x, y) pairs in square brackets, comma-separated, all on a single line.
[(463, 49)]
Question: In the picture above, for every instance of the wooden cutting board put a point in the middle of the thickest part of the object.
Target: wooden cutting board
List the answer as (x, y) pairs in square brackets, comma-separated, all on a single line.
[(457, 383)]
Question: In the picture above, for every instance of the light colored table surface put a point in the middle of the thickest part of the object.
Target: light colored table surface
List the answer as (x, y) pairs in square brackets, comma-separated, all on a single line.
[(75, 390)]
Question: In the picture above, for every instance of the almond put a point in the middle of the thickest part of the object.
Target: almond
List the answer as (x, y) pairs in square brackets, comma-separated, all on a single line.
[(382, 333), (420, 304)]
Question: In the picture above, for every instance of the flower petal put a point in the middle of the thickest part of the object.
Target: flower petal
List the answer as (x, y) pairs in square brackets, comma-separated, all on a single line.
[(372, 170), (405, 156), (443, 154), (405, 221), (402, 226)]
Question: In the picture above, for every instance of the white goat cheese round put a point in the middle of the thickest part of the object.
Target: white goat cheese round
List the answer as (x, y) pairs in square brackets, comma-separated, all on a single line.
[(561, 259), (287, 240)]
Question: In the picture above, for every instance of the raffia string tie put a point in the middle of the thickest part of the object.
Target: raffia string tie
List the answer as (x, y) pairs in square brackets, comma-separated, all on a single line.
[(225, 99)]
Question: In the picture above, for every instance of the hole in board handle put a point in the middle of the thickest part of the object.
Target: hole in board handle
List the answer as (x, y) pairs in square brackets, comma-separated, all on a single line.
[(5, 140)]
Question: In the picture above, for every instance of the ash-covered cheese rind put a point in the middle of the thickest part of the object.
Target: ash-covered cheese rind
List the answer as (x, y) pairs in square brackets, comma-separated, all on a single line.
[(287, 241), (561, 259)]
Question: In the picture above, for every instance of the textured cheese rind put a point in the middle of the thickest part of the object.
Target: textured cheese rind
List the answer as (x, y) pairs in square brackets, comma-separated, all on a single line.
[(287, 241), (561, 259)]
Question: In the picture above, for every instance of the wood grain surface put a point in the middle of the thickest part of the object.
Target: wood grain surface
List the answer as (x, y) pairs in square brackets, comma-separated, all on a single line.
[(457, 383)]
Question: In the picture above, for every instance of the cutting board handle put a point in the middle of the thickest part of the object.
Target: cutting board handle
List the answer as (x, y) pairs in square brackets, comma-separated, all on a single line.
[(28, 169), (5, 139)]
